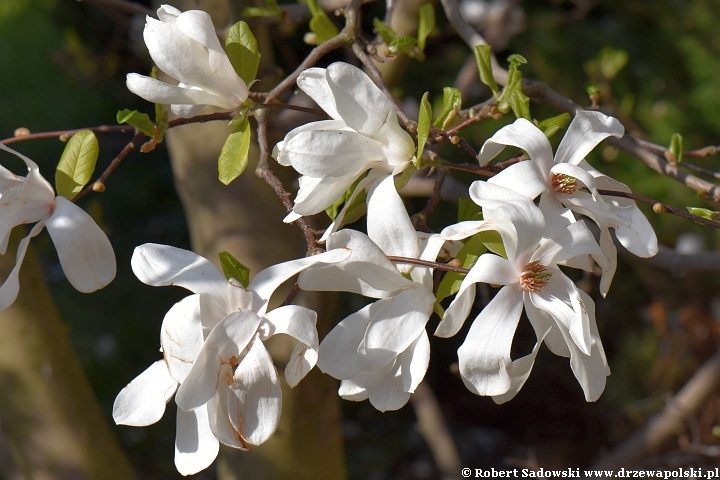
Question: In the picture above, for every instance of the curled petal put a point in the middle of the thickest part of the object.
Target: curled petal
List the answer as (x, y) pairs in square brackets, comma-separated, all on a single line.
[(338, 355), (255, 400), (298, 322), (181, 336), (313, 81), (484, 357), (195, 445), (10, 289), (520, 371), (414, 362), (219, 420), (389, 394), (160, 92), (523, 177), (142, 401), (521, 134), (586, 130)]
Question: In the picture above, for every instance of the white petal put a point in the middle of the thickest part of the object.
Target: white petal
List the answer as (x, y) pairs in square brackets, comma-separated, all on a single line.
[(414, 362), (219, 420), (484, 357), (160, 92), (267, 281), (255, 399), (168, 13), (84, 251), (610, 265), (556, 215), (195, 445), (489, 268), (396, 324), (338, 355), (181, 336), (430, 248), (388, 224), (541, 321), (576, 172), (10, 289), (330, 125), (523, 177), (339, 220), (520, 371), (349, 390), (521, 134), (302, 360), (298, 322), (317, 194), (389, 395), (187, 111), (586, 130), (227, 340), (365, 108), (569, 242), (161, 265), (314, 82), (142, 401)]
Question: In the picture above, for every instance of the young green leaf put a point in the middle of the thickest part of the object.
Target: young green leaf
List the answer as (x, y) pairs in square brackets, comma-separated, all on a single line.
[(424, 119), (452, 103), (232, 268), (242, 50), (426, 24), (512, 96), (676, 147), (704, 213), (483, 54), (468, 210), (385, 32), (550, 126), (141, 121), (402, 44), (234, 155), (320, 23), (77, 164), (493, 241)]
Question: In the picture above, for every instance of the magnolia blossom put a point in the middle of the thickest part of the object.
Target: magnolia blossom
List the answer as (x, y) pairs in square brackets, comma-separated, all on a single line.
[(363, 136), (84, 251), (569, 182), (226, 385), (185, 46), (560, 313)]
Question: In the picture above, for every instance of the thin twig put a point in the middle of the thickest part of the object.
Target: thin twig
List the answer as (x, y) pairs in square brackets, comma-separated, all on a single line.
[(700, 170), (113, 165), (60, 133), (432, 202), (438, 266)]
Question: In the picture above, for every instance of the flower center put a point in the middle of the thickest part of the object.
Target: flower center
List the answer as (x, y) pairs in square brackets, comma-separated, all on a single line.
[(562, 183), (534, 277)]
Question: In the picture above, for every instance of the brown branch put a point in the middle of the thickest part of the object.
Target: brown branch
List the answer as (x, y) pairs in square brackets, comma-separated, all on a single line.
[(60, 133), (661, 428), (113, 165), (263, 170), (421, 217), (438, 266)]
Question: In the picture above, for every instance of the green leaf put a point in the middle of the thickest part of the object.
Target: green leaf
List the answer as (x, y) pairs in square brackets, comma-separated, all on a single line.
[(141, 121), (356, 209), (242, 50), (468, 210), (512, 97), (550, 126), (272, 9), (426, 24), (516, 60), (320, 23), (424, 119), (403, 44), (493, 241), (704, 213), (232, 268), (676, 147), (385, 32), (468, 256), (234, 155), (483, 54), (77, 164), (452, 103)]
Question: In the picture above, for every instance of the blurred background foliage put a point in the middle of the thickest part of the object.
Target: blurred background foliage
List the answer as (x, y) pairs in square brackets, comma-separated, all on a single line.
[(657, 65)]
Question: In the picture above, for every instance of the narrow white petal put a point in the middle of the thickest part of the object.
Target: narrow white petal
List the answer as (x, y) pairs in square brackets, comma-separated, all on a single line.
[(430, 247), (267, 281), (317, 194), (541, 321), (187, 111), (389, 394), (11, 287), (520, 371), (521, 134), (225, 342), (181, 336), (610, 264), (219, 420), (586, 130), (160, 92), (489, 268), (255, 400), (523, 177), (484, 357), (279, 153), (84, 251), (349, 390), (576, 172), (414, 362), (556, 215), (302, 360), (569, 242), (299, 323), (195, 445), (338, 355), (339, 220), (161, 265), (313, 81), (388, 223), (142, 402)]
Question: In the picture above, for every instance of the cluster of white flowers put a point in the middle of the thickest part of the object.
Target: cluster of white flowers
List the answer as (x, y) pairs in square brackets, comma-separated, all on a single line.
[(214, 361)]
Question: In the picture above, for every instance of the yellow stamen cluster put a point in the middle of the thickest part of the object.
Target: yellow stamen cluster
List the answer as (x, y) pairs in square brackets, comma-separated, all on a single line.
[(534, 277), (562, 183)]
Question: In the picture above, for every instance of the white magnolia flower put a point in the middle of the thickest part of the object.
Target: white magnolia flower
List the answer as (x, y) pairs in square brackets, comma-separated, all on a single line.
[(560, 313), (380, 352), (569, 182), (217, 333), (363, 136), (185, 46), (84, 251)]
